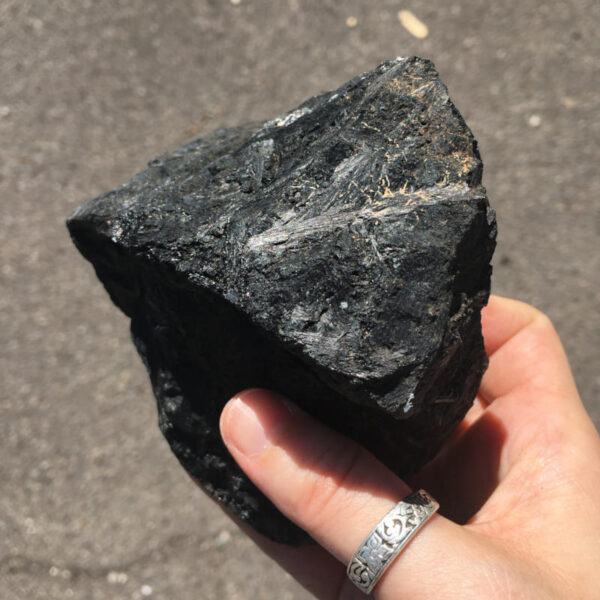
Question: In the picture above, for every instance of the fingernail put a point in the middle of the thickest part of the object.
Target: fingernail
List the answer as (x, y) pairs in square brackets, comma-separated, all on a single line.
[(244, 430), (252, 418)]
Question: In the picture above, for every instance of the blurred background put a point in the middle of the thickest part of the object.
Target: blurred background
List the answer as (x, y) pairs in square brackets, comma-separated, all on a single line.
[(93, 505)]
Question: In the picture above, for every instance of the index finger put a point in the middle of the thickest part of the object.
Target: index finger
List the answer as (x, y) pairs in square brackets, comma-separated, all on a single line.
[(502, 319), (525, 352)]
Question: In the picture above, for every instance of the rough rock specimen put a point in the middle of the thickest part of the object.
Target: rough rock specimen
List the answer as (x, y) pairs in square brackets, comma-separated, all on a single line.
[(339, 253)]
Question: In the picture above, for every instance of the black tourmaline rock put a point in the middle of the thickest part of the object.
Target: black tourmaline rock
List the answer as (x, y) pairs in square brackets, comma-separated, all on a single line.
[(339, 253)]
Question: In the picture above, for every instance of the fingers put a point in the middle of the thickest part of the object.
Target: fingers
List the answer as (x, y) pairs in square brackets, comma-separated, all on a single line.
[(328, 485), (525, 353), (502, 319), (529, 387)]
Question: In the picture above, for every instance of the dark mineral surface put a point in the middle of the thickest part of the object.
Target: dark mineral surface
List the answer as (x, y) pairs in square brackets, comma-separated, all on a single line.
[(339, 254)]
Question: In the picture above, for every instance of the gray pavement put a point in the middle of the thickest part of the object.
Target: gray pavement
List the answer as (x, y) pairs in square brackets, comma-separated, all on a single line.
[(92, 503)]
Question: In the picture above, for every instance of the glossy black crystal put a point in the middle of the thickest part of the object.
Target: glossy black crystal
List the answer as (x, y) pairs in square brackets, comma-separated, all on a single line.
[(339, 253)]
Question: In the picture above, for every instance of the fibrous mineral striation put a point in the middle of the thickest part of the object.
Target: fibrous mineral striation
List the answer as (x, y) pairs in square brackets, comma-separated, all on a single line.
[(339, 254)]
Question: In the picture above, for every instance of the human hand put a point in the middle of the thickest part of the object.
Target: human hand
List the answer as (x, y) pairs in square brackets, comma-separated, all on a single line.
[(518, 482)]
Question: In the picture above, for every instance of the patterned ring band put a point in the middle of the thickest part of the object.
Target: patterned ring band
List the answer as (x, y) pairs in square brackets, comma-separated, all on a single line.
[(388, 538)]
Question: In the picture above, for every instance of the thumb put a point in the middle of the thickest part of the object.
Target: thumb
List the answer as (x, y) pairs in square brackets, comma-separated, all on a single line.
[(337, 491)]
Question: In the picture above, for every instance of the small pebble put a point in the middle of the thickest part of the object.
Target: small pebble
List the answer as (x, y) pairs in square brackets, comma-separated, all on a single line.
[(351, 22), (117, 577), (146, 590), (535, 121), (223, 538), (413, 24)]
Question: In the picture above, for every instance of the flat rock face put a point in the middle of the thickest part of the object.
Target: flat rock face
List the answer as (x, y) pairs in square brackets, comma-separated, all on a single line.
[(339, 253)]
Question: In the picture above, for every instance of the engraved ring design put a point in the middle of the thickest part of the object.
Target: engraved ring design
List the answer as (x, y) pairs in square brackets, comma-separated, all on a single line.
[(388, 538)]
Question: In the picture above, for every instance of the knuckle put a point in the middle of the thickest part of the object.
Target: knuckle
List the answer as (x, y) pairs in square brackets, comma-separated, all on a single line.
[(539, 323), (542, 331), (534, 314), (542, 320)]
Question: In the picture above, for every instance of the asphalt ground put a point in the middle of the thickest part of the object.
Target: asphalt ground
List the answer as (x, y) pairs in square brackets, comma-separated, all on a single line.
[(92, 503)]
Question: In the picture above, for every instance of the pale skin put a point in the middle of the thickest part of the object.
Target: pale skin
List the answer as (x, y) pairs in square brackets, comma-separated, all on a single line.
[(518, 483)]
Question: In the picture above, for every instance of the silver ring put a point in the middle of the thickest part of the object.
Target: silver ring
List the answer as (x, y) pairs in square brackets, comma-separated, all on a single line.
[(388, 538)]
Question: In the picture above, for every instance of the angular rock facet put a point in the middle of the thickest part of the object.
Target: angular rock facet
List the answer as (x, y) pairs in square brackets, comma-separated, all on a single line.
[(339, 254)]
